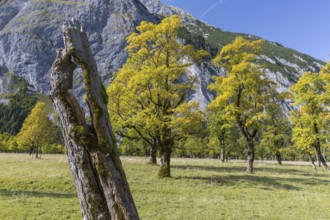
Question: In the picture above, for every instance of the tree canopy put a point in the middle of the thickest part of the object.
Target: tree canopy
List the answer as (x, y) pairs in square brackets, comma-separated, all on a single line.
[(244, 91), (148, 97), (37, 129), (311, 117)]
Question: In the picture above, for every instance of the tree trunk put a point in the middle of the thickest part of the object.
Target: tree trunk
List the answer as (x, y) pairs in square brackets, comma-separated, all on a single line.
[(320, 157), (223, 148), (278, 157), (249, 145), (165, 162), (31, 150), (37, 151), (250, 155), (100, 180), (312, 160), (317, 147), (165, 143), (153, 154)]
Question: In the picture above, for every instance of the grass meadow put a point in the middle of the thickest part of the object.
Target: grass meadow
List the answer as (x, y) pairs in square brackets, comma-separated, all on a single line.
[(199, 189)]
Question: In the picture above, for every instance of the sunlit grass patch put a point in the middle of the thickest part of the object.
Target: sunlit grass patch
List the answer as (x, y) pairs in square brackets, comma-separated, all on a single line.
[(199, 189)]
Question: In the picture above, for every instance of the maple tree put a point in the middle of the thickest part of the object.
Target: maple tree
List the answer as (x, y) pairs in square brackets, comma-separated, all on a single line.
[(244, 91), (148, 96), (37, 129), (311, 117)]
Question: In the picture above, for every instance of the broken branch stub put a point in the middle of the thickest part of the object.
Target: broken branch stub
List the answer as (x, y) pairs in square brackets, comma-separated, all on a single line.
[(100, 180)]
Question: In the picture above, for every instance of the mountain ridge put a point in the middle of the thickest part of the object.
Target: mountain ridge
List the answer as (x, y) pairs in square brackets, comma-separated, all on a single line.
[(30, 33)]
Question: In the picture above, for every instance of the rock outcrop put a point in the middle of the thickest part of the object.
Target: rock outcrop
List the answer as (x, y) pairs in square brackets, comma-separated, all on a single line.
[(30, 33)]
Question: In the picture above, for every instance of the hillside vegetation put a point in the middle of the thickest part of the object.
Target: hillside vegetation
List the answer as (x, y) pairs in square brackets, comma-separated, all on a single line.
[(204, 189)]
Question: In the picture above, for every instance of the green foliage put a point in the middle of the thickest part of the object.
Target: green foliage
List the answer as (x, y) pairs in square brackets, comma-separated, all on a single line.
[(53, 148), (195, 147), (197, 40), (244, 92), (37, 130), (276, 132), (20, 103), (13, 115), (311, 117), (148, 97), (220, 131), (129, 147)]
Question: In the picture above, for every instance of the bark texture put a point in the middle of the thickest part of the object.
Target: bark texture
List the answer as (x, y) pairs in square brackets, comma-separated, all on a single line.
[(165, 163), (250, 155), (153, 153), (223, 148), (317, 148), (312, 160), (165, 154), (248, 137), (100, 180), (278, 157)]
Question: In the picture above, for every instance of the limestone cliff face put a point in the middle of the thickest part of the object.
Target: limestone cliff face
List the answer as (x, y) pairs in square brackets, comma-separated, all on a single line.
[(30, 33), (285, 65)]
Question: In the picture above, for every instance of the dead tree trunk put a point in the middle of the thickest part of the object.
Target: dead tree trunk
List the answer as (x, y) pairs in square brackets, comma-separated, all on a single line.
[(100, 180)]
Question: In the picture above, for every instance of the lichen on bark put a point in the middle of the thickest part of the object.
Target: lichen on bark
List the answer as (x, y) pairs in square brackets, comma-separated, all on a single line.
[(100, 180)]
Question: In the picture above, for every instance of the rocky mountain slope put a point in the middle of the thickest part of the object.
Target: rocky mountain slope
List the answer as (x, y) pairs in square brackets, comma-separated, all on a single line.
[(30, 32)]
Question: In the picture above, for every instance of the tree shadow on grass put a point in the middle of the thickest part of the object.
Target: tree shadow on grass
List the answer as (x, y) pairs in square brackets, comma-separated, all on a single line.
[(242, 168), (234, 169), (228, 177), (11, 193), (265, 183)]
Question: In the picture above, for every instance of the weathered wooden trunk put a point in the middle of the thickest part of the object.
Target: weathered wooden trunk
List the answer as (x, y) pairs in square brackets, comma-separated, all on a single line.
[(100, 180)]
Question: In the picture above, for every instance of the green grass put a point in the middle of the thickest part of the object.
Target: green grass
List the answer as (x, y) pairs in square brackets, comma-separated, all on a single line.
[(199, 189)]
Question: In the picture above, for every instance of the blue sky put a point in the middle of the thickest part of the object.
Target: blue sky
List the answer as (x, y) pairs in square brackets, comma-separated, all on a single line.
[(303, 25)]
